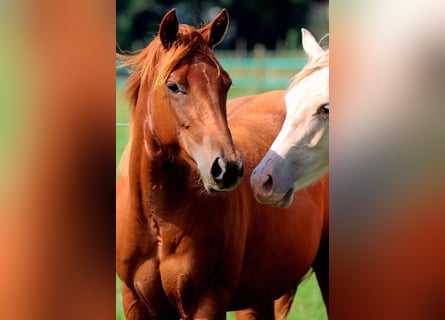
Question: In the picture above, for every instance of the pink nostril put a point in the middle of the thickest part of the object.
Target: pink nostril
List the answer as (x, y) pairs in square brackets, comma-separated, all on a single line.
[(268, 185)]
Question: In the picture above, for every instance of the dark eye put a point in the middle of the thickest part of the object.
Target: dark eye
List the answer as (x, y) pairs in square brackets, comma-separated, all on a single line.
[(323, 109), (173, 87)]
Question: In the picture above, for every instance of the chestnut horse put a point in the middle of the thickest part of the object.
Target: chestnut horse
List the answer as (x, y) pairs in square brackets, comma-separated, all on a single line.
[(191, 241), (300, 153)]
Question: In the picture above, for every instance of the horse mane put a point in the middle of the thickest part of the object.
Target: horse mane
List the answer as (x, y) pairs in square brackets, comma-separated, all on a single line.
[(150, 68), (320, 63)]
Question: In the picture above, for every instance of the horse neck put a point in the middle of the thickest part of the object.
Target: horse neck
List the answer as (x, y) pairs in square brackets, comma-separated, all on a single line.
[(158, 175), (318, 193)]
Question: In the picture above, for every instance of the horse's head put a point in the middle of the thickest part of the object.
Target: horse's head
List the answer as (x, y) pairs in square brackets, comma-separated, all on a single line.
[(300, 153), (185, 104)]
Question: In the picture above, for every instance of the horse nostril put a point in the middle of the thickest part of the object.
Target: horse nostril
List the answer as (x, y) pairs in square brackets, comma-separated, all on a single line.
[(241, 171), (216, 169), (226, 174), (268, 185)]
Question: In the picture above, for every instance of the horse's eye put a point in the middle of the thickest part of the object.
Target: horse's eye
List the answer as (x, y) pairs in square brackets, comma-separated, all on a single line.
[(323, 109), (173, 87)]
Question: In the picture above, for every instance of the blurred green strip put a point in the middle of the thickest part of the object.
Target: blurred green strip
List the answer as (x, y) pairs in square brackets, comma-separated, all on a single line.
[(15, 93)]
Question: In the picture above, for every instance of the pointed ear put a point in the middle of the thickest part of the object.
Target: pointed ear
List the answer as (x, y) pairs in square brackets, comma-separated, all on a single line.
[(216, 30), (310, 45), (168, 28)]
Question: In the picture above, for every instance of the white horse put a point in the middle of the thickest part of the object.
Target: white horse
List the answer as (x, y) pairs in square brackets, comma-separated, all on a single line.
[(300, 153)]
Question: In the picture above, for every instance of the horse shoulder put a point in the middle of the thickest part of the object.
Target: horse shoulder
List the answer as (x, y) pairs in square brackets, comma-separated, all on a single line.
[(134, 244)]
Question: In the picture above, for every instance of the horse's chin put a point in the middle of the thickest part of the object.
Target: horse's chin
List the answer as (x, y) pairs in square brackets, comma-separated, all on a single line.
[(286, 201), (283, 202), (216, 190), (213, 188)]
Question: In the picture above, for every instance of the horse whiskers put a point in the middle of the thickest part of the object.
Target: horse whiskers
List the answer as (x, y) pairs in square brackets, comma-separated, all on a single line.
[(198, 184)]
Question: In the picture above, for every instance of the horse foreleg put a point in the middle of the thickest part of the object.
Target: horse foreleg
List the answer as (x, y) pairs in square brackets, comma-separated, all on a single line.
[(321, 269), (137, 308), (210, 306), (260, 312), (134, 309), (283, 304)]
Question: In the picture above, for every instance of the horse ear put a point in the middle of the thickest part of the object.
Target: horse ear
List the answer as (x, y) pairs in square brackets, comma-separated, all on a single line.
[(310, 45), (216, 30), (168, 28)]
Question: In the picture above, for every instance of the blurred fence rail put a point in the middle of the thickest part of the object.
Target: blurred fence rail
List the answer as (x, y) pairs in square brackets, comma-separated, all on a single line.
[(253, 72)]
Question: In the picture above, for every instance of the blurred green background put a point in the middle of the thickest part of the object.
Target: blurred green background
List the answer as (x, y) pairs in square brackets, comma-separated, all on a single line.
[(273, 23)]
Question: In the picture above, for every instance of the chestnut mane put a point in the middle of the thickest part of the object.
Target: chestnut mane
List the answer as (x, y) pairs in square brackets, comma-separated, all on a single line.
[(151, 67)]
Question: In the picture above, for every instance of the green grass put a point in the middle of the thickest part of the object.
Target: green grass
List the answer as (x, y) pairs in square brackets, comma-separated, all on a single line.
[(308, 303), (119, 309)]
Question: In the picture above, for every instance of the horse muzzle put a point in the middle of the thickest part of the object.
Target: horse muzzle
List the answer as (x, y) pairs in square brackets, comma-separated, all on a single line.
[(225, 175)]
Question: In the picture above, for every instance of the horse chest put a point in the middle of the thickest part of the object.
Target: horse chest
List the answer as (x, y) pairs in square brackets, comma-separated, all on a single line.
[(190, 263), (167, 278)]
